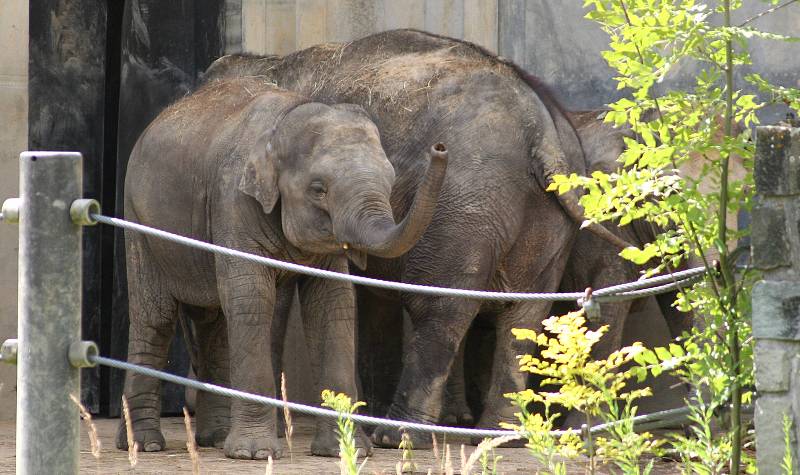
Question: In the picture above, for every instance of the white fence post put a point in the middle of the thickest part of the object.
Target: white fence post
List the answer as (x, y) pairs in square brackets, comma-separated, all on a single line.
[(49, 313)]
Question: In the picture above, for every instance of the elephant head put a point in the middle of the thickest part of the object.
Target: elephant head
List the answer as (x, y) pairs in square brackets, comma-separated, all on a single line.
[(334, 181)]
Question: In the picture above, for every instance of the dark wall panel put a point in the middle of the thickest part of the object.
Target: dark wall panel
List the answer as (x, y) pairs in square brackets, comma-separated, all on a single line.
[(66, 112), (165, 46), (100, 71)]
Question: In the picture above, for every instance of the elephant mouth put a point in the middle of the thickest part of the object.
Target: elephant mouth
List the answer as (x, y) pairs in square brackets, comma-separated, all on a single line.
[(359, 258)]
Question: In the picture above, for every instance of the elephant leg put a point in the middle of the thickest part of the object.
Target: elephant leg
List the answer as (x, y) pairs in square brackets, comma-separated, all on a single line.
[(153, 313), (280, 322), (212, 411), (614, 315), (438, 326), (677, 321), (380, 348), (456, 411), (329, 321), (247, 294), (506, 376)]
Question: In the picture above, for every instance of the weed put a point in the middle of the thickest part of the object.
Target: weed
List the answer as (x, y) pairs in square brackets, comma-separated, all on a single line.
[(133, 446), (348, 453), (191, 444)]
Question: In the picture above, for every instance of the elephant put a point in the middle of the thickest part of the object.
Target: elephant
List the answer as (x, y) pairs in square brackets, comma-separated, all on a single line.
[(249, 166), (495, 227), (592, 262)]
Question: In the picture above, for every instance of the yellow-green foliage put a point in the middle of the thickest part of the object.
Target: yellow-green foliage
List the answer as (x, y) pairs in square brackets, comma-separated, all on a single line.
[(598, 388), (348, 453)]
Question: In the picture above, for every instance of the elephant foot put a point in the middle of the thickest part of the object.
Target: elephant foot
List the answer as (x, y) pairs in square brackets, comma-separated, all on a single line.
[(256, 444), (326, 443), (458, 417), (212, 437), (493, 419), (213, 425), (148, 440), (391, 438), (576, 419)]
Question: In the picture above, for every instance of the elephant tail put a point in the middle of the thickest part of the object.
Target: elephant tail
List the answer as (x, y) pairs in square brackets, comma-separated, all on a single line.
[(574, 158)]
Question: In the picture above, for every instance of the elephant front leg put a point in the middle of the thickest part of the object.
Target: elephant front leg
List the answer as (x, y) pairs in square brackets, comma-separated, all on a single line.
[(439, 326), (247, 293), (506, 375), (329, 321)]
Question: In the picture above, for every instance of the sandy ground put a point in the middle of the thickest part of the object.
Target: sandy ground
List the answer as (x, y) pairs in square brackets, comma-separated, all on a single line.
[(176, 458)]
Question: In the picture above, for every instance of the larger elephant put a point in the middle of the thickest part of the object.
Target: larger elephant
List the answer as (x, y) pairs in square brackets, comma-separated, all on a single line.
[(496, 227), (246, 165)]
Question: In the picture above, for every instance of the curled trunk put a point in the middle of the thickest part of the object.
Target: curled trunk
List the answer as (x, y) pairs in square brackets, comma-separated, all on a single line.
[(380, 236)]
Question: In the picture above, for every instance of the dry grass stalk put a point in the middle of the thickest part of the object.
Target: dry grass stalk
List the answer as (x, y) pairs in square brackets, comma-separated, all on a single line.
[(269, 465), (287, 417), (484, 446), (436, 459), (191, 445), (464, 460), (448, 462), (133, 446), (91, 428)]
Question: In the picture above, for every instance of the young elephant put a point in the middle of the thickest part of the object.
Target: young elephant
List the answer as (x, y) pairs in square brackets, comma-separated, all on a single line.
[(246, 165)]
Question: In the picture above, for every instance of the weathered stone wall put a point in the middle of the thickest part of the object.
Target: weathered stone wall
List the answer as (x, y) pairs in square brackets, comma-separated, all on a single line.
[(776, 299)]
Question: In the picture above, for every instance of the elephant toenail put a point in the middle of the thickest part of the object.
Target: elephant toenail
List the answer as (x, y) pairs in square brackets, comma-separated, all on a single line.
[(152, 447), (386, 439)]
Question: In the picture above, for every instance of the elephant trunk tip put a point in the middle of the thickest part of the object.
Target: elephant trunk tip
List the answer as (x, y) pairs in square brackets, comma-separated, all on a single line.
[(439, 152)]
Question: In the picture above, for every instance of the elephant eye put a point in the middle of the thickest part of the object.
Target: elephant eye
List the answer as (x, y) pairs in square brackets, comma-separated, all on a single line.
[(317, 189)]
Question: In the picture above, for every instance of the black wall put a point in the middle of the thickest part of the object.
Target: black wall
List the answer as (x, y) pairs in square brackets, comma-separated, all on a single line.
[(99, 72)]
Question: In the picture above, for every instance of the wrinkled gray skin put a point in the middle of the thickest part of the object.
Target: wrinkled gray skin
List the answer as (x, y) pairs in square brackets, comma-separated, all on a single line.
[(592, 262), (249, 166), (495, 226)]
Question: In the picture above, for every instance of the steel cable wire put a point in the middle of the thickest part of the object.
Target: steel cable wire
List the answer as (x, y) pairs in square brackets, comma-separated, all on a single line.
[(670, 281), (654, 420)]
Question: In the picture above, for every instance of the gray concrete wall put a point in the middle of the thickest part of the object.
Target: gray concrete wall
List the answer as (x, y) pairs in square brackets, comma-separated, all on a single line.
[(13, 140), (550, 38)]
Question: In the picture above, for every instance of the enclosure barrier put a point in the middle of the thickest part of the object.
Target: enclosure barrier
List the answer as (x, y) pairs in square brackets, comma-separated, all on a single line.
[(49, 350), (776, 299)]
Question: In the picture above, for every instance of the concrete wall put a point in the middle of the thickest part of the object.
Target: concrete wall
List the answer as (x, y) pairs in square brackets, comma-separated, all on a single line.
[(283, 26), (13, 140), (550, 38)]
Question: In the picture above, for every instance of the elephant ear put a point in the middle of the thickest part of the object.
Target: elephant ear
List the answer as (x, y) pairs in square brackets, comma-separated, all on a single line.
[(260, 177)]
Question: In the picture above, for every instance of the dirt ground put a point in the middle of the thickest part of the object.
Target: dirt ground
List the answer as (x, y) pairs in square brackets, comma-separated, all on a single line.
[(176, 458)]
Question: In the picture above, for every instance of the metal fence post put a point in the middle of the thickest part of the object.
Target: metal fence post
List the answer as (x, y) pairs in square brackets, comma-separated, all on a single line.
[(49, 313), (776, 299)]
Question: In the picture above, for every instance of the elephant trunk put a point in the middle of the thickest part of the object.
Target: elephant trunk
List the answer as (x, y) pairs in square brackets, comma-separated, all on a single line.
[(380, 236)]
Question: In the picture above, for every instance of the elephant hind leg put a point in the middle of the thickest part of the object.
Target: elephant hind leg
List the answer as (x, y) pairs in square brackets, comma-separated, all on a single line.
[(213, 412), (456, 410), (153, 313)]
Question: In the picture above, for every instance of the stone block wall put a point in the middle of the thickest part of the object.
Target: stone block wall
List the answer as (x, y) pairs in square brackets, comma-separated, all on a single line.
[(776, 298)]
